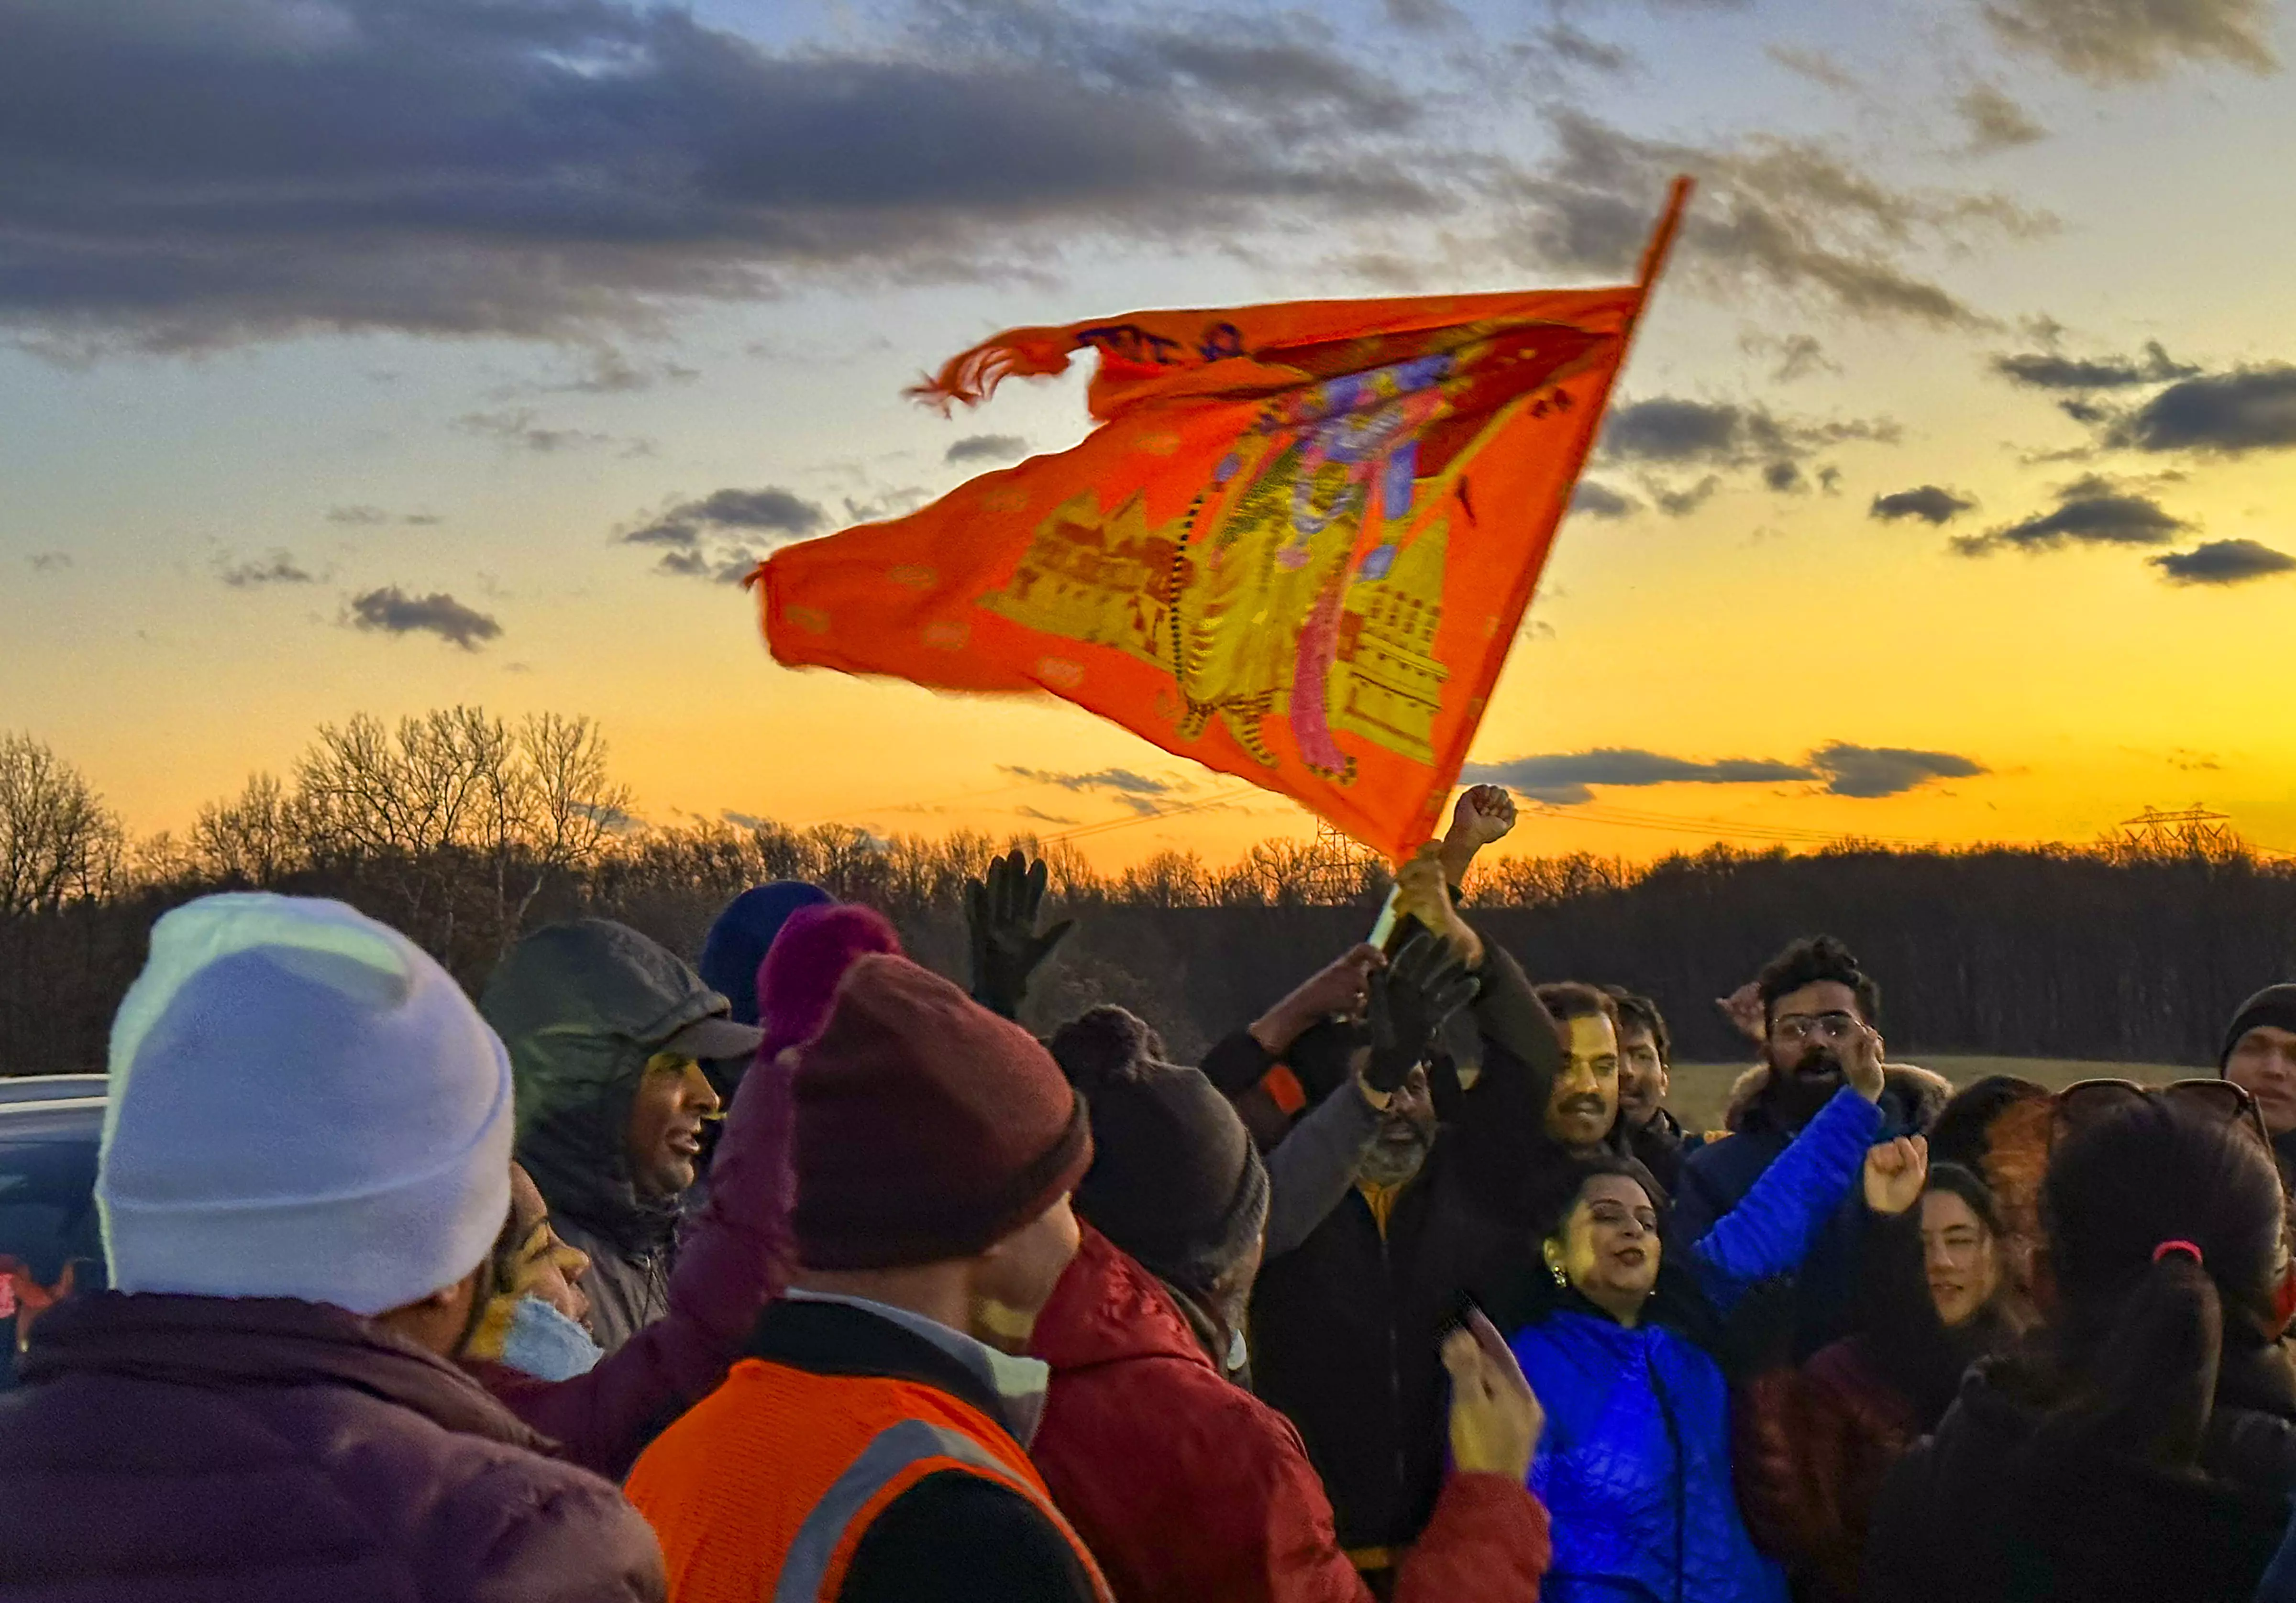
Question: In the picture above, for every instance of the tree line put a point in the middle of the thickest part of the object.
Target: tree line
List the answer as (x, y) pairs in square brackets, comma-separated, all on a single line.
[(465, 830)]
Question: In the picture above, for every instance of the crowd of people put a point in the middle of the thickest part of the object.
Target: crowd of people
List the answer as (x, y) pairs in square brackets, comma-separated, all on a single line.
[(801, 1272)]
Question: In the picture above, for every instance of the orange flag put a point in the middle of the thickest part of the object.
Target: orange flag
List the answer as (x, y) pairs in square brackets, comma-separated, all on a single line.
[(1296, 548)]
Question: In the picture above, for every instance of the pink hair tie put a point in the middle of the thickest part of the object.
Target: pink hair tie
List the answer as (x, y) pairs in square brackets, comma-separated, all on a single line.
[(2186, 1247)]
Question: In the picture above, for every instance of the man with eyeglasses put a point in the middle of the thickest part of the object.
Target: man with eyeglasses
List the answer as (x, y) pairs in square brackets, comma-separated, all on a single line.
[(1819, 1017)]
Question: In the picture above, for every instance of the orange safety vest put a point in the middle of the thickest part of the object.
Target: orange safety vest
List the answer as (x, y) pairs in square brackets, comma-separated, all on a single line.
[(765, 1489)]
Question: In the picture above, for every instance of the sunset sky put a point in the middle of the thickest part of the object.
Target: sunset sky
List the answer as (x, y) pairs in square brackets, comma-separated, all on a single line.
[(344, 343)]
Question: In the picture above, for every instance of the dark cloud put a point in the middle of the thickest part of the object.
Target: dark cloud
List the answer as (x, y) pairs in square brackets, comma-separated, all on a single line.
[(2054, 370), (1559, 42), (1675, 430), (2223, 562), (1566, 779), (2128, 41), (608, 372), (1598, 499), (1816, 66), (1799, 356), (375, 517), (2090, 511), (1867, 771), (1773, 213), (2229, 413), (1041, 816), (197, 173), (1932, 504), (1672, 432), (50, 561), (1995, 122), (1122, 782), (988, 447), (1682, 502), (279, 568), (516, 429), (391, 610), (1422, 16), (722, 536)]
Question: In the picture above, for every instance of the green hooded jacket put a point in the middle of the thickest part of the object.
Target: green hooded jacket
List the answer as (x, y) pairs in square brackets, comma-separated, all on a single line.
[(582, 1006)]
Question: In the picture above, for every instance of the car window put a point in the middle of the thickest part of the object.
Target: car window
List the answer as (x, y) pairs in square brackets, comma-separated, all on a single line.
[(47, 1220)]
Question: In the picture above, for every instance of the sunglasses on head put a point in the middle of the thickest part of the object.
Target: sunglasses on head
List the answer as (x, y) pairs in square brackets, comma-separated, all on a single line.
[(2083, 1102)]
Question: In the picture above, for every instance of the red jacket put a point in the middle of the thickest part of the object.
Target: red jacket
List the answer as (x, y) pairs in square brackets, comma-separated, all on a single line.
[(1814, 1446), (1188, 1488)]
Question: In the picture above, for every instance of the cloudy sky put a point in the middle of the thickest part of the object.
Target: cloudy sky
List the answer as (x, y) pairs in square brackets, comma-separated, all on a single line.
[(382, 355)]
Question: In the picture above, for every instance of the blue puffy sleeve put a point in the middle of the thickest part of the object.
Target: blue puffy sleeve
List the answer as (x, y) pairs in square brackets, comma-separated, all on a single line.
[(1778, 1222)]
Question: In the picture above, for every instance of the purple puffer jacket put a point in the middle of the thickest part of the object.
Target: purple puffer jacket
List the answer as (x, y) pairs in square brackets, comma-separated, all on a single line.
[(734, 1259), (248, 1450)]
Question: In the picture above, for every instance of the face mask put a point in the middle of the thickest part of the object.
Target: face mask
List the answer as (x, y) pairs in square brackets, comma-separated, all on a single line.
[(544, 1344)]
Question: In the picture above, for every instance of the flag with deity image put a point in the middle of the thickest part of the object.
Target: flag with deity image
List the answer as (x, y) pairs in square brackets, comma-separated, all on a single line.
[(1296, 547)]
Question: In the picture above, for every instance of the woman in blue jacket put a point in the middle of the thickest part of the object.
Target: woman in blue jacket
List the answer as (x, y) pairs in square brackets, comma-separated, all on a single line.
[(1633, 1467)]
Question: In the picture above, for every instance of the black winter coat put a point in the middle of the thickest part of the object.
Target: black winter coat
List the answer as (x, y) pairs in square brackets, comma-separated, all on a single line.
[(1346, 1328), (1988, 1511)]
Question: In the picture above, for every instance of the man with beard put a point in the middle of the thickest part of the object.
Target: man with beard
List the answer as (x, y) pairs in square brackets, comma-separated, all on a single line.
[(1362, 1281), (1819, 1014)]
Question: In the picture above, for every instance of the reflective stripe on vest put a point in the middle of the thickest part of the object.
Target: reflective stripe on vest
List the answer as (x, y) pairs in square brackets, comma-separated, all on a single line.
[(764, 1491), (820, 1544)]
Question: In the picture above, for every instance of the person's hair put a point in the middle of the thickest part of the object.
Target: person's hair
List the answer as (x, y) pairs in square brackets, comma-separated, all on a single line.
[(1966, 1122), (1570, 999), (1815, 961), (1965, 1183), (2139, 1325), (1553, 1199), (1638, 1012)]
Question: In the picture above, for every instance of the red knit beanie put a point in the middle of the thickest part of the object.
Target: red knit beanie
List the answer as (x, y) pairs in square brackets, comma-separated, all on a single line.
[(927, 1127), (798, 979)]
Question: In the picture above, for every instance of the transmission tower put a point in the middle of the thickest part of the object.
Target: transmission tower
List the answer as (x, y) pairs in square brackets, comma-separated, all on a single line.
[(1334, 866), (2195, 832)]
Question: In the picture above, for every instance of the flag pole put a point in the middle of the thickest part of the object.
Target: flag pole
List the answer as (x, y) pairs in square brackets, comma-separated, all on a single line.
[(1661, 239), (1654, 263)]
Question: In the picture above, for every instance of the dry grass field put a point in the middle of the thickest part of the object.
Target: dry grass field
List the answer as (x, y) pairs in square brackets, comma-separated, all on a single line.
[(1700, 1089)]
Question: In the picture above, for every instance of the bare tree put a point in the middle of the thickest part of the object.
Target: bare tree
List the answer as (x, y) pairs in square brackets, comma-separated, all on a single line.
[(59, 843), (257, 837)]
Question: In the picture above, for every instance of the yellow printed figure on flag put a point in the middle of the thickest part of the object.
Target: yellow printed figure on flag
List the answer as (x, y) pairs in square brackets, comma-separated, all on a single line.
[(1296, 549)]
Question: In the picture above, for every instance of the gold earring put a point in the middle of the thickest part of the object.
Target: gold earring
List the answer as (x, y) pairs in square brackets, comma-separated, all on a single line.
[(1560, 1278)]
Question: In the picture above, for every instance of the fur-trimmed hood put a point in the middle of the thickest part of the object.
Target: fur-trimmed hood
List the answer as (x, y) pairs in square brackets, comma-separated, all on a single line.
[(1921, 1093)]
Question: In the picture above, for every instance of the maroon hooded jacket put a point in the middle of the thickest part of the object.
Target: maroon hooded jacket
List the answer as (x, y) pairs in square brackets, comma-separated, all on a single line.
[(1186, 1487), (244, 1449)]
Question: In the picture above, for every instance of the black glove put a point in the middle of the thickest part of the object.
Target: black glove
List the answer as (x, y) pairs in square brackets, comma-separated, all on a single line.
[(1001, 916), (1420, 988)]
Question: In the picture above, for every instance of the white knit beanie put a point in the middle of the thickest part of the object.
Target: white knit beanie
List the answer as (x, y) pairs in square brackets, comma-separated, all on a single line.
[(303, 1104)]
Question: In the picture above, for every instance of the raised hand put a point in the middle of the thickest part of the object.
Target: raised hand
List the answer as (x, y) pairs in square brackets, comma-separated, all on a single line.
[(1861, 1062), (1423, 893), (1743, 1008), (1411, 999), (1341, 987), (1000, 914), (1895, 1173), (1484, 813), (1496, 1417)]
